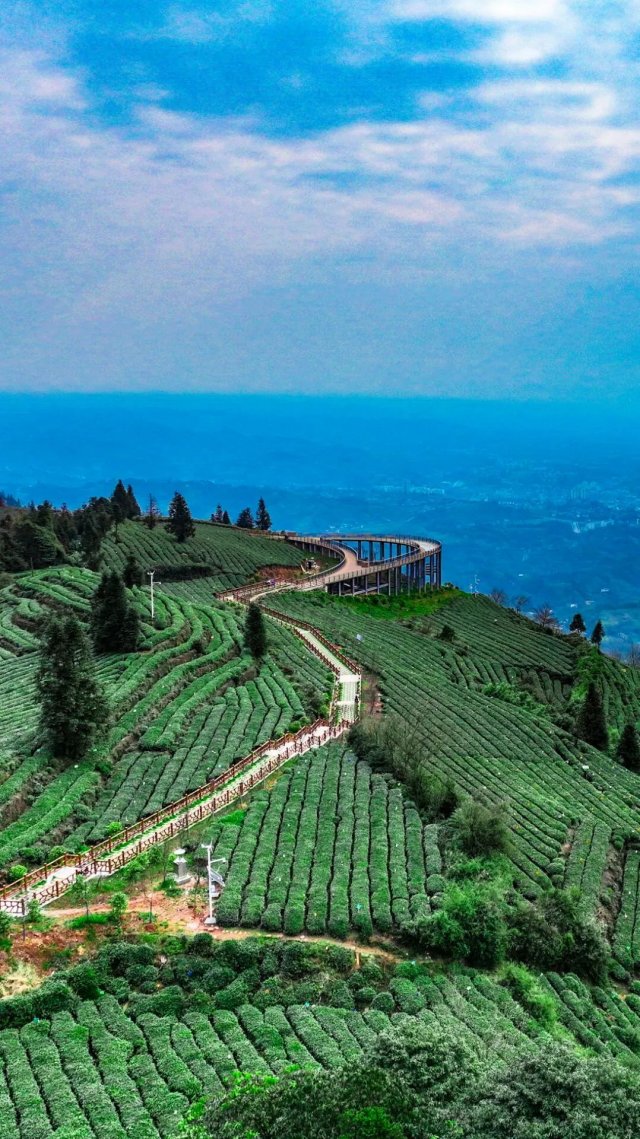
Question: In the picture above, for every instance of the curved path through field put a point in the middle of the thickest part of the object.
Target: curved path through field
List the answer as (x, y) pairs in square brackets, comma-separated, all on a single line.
[(51, 881), (418, 559), (416, 563)]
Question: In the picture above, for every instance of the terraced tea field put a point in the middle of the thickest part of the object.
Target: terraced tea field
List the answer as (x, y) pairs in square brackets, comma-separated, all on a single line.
[(184, 707), (129, 1063), (331, 848), (464, 703), (229, 557)]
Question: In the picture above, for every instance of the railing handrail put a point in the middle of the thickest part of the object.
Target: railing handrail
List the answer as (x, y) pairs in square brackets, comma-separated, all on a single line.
[(206, 790)]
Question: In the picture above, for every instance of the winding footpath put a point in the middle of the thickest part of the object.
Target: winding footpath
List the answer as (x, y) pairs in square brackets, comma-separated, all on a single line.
[(49, 882), (416, 561)]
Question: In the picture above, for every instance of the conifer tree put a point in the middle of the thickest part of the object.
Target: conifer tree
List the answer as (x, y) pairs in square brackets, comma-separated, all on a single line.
[(226, 521), (120, 502), (217, 516), (591, 724), (577, 624), (597, 635), (255, 634), (245, 519), (180, 522), (73, 709), (114, 622), (628, 750), (131, 574), (91, 538), (133, 509), (263, 518)]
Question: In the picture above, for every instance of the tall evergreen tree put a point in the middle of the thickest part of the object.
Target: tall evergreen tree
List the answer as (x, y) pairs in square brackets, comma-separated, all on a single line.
[(255, 633), (628, 750), (245, 519), (37, 544), (114, 622), (91, 539), (133, 509), (263, 518), (180, 522), (226, 521), (577, 624), (597, 635), (73, 709), (119, 504), (131, 574), (591, 725)]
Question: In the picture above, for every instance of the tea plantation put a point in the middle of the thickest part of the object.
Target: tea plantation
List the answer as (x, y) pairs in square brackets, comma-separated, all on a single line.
[(184, 707), (225, 556), (120, 1048), (490, 710), (505, 951)]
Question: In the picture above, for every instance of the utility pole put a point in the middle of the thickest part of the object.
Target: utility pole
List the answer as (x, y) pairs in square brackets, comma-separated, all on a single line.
[(151, 575), (210, 920)]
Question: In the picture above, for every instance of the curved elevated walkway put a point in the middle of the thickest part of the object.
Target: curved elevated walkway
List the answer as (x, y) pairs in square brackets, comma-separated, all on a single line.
[(367, 563)]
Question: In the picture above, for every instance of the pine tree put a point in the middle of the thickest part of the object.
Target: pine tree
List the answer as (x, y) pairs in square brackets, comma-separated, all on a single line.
[(628, 750), (152, 513), (597, 635), (591, 725), (226, 521), (255, 634), (37, 544), (263, 518), (73, 709), (119, 503), (114, 622), (577, 624), (245, 519), (133, 509), (217, 516), (180, 522), (131, 574)]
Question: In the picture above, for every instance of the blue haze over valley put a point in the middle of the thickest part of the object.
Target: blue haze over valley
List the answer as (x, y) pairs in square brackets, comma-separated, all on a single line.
[(540, 499)]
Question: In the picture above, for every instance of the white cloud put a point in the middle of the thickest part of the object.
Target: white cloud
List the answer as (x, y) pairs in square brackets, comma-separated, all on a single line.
[(479, 11), (184, 215), (195, 26)]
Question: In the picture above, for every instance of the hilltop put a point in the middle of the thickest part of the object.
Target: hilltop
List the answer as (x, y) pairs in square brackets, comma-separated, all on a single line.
[(476, 859)]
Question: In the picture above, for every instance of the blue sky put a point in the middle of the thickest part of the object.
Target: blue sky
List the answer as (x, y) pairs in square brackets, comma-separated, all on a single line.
[(412, 196)]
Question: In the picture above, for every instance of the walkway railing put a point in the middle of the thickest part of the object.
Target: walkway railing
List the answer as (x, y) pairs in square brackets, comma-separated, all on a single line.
[(420, 548), (116, 851)]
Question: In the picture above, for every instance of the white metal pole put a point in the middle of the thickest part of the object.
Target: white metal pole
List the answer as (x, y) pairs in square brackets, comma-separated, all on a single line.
[(210, 883), (151, 574)]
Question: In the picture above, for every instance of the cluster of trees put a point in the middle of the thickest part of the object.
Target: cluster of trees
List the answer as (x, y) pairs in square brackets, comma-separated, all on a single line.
[(591, 726), (578, 626), (246, 520), (73, 707), (427, 1083), (34, 537)]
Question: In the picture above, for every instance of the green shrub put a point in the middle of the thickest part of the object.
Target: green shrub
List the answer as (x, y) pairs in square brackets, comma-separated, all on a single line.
[(340, 995), (479, 830), (525, 988), (469, 926), (233, 995), (384, 1002)]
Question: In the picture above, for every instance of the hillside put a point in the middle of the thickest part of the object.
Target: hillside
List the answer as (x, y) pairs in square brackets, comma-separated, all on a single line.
[(184, 707), (225, 556), (507, 952)]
